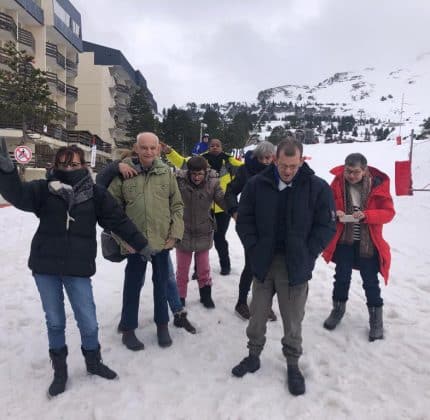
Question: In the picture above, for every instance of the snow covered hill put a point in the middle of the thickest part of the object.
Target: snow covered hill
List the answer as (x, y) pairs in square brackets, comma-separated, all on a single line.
[(347, 377), (369, 93)]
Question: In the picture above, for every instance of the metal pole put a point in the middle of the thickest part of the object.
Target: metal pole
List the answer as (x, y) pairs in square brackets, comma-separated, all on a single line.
[(410, 157)]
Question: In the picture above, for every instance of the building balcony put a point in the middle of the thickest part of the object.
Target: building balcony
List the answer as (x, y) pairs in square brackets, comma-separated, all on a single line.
[(26, 38), (71, 67), (88, 139), (33, 8), (72, 92), (55, 82), (8, 25), (71, 120), (52, 51)]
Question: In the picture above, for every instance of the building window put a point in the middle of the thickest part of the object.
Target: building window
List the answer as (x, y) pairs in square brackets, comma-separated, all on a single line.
[(66, 19)]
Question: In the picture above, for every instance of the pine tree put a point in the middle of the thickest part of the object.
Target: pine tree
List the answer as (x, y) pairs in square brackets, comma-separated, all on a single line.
[(141, 113), (24, 92)]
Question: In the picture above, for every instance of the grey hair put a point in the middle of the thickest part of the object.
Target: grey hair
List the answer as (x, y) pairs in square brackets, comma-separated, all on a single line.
[(264, 148)]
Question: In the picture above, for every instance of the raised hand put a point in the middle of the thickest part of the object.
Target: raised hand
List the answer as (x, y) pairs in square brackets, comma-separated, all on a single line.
[(6, 164)]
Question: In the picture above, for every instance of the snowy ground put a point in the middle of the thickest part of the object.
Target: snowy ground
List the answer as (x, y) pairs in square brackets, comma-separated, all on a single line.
[(347, 377)]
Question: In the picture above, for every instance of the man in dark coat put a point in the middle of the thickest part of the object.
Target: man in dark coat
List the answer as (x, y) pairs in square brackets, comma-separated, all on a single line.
[(286, 217)]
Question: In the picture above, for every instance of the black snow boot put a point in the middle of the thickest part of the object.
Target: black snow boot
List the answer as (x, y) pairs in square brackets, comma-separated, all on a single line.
[(163, 335), (376, 324), (58, 360), (93, 361), (130, 340), (206, 297), (181, 321), (249, 364), (296, 381), (335, 316)]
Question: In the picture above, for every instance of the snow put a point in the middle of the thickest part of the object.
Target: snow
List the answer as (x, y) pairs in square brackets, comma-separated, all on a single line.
[(346, 376)]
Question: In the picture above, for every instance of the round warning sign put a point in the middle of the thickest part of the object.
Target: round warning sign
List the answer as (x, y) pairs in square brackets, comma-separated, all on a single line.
[(23, 154)]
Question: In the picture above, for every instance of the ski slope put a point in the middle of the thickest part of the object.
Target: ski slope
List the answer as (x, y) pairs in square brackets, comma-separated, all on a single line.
[(346, 376)]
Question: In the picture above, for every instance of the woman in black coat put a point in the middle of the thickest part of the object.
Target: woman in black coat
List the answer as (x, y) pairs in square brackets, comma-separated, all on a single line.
[(63, 250)]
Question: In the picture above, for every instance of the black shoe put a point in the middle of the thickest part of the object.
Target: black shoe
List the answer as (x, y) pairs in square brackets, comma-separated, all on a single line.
[(130, 340), (58, 360), (206, 297), (225, 271), (296, 381), (242, 310), (181, 321), (376, 323), (93, 361), (249, 364), (194, 276), (272, 316), (163, 336), (182, 301)]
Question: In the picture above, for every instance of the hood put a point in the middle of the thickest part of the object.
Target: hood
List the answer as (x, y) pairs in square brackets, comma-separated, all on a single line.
[(252, 164)]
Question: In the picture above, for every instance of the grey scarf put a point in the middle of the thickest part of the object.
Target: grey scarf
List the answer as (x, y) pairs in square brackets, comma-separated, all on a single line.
[(79, 193)]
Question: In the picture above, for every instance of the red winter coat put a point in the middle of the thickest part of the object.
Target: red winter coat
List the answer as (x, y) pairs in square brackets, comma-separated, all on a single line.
[(379, 210)]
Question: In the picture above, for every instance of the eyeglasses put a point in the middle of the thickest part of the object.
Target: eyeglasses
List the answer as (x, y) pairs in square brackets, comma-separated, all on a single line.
[(65, 165)]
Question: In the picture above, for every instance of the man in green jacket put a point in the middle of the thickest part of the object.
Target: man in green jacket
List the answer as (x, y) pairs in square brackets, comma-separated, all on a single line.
[(153, 202)]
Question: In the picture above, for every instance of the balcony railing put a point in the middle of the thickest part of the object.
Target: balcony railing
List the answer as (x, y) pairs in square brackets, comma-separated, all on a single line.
[(71, 119), (72, 91), (122, 88), (52, 51), (51, 77), (71, 67), (88, 139), (8, 24), (61, 86), (26, 37)]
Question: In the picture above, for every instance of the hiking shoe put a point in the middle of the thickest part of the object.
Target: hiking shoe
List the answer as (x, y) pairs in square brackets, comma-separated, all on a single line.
[(130, 341), (249, 364), (242, 310), (296, 381), (181, 321)]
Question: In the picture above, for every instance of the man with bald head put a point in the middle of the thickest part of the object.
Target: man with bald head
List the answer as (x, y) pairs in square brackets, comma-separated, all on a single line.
[(153, 202)]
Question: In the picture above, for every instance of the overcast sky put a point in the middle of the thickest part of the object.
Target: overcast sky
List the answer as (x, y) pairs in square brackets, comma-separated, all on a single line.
[(208, 51)]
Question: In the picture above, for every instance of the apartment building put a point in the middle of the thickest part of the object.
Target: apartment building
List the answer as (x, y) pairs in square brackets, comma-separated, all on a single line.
[(106, 81), (51, 31)]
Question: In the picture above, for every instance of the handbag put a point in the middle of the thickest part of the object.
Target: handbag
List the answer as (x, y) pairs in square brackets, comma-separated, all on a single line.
[(111, 249)]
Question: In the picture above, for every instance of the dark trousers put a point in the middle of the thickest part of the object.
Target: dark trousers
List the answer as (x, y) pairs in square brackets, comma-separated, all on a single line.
[(221, 244), (245, 281), (133, 282), (348, 256)]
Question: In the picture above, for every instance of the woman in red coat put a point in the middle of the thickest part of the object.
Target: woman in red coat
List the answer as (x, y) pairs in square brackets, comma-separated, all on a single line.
[(363, 204)]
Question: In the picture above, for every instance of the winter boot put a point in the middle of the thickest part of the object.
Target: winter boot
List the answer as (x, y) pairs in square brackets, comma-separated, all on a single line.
[(93, 361), (242, 310), (130, 340), (163, 335), (335, 316), (180, 321), (376, 324), (249, 364), (296, 381), (206, 298), (58, 360)]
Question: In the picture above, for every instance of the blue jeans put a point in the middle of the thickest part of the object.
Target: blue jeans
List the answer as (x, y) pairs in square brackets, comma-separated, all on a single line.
[(133, 283), (172, 290), (348, 257), (80, 294)]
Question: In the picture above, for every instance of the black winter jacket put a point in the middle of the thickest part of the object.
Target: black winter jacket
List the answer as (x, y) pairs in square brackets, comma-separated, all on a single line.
[(235, 187), (72, 252), (310, 222)]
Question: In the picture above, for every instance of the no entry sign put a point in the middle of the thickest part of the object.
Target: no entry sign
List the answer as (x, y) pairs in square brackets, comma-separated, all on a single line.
[(23, 154)]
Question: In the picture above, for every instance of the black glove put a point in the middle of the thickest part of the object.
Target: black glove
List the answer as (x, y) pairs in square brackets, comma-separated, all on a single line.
[(147, 253), (6, 164)]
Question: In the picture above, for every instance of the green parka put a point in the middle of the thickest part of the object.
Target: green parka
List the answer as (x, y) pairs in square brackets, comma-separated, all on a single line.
[(153, 202)]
